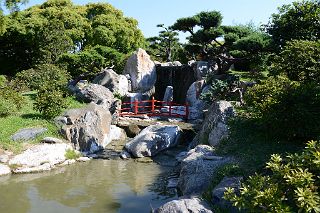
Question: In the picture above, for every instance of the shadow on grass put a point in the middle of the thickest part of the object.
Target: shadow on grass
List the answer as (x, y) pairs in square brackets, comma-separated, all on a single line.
[(35, 116)]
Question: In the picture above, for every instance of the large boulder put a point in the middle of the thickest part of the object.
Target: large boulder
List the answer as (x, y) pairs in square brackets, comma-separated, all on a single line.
[(187, 205), (114, 82), (154, 139), (28, 134), (215, 126), (39, 157), (197, 169), (193, 100), (97, 94), (87, 128), (142, 71)]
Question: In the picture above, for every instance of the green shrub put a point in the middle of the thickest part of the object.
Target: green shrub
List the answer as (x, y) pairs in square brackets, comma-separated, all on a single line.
[(42, 75), (50, 102), (72, 154), (286, 109), (292, 186), (299, 60), (10, 101), (3, 80)]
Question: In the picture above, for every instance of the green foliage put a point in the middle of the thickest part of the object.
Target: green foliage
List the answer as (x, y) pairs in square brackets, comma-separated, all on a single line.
[(3, 80), (221, 89), (292, 186), (72, 154), (50, 102), (92, 60), (10, 101), (299, 20), (42, 33), (224, 45), (165, 47), (286, 109), (299, 60), (42, 76)]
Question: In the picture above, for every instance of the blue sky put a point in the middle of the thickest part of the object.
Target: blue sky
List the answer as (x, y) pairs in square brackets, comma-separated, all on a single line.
[(150, 13)]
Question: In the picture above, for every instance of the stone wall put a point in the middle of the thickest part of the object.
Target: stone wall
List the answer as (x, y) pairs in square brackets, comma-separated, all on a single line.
[(180, 77)]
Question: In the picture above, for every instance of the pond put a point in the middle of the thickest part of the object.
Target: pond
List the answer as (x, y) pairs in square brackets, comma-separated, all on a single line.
[(96, 186)]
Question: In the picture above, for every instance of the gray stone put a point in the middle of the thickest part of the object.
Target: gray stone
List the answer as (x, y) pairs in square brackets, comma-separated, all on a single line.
[(4, 169), (168, 95), (191, 205), (51, 140), (28, 134), (125, 155), (154, 139), (88, 128), (142, 71), (132, 130), (215, 126), (83, 159), (114, 82), (220, 189), (97, 94), (116, 133), (40, 157), (196, 105), (197, 168)]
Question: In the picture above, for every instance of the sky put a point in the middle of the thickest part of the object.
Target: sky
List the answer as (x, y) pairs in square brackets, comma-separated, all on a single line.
[(150, 13)]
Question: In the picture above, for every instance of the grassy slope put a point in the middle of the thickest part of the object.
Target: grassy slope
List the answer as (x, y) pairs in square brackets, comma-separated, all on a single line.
[(25, 118)]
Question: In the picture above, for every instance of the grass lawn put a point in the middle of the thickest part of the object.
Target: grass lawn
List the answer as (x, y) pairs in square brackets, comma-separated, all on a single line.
[(28, 117)]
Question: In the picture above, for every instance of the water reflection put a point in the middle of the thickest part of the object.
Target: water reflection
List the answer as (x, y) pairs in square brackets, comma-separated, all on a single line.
[(95, 186)]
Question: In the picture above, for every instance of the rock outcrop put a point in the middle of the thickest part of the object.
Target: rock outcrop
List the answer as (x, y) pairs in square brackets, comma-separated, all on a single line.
[(142, 71), (114, 82), (28, 134), (186, 205), (168, 95), (87, 128), (197, 169), (39, 158), (215, 126), (196, 105), (154, 139)]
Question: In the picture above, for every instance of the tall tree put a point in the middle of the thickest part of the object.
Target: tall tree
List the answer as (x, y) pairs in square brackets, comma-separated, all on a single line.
[(296, 21), (166, 45), (224, 45)]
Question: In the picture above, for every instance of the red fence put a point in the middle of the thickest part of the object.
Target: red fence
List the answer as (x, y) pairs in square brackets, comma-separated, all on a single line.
[(154, 108)]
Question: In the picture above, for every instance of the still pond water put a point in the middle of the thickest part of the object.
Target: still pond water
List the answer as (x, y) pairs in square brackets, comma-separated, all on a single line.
[(97, 186)]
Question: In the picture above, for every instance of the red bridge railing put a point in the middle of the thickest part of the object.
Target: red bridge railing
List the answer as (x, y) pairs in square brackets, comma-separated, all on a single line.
[(154, 108)]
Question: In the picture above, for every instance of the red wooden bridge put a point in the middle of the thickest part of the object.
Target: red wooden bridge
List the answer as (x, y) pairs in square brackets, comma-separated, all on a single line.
[(154, 108)]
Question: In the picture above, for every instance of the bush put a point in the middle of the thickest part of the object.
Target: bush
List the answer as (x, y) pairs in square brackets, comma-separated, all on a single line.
[(50, 102), (10, 101), (292, 186), (299, 60), (3, 80), (286, 109), (42, 75), (72, 154)]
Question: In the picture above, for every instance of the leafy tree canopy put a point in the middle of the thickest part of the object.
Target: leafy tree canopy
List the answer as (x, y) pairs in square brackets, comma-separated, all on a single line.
[(299, 20), (223, 44), (41, 34)]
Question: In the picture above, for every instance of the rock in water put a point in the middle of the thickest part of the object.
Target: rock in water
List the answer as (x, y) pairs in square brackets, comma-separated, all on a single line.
[(88, 128), (154, 139), (142, 71), (28, 134), (192, 205), (197, 169), (40, 157), (114, 82)]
